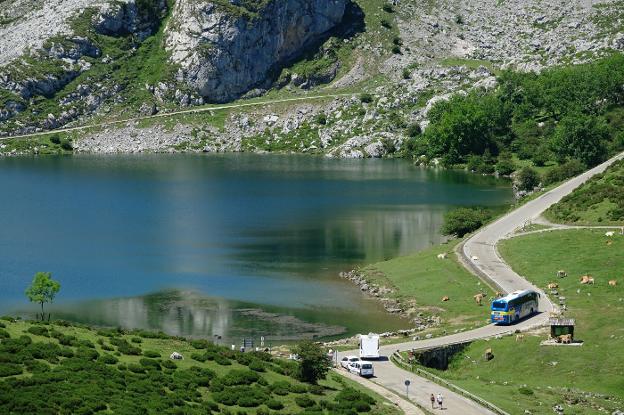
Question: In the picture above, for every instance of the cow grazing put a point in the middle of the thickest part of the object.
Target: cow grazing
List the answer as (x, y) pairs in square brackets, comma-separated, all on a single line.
[(553, 285), (442, 255), (445, 298), (612, 283), (610, 233), (562, 274), (519, 337), (565, 338), (590, 280), (609, 242), (478, 298), (499, 294)]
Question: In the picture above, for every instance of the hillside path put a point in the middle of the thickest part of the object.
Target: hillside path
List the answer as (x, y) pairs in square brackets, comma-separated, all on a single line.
[(480, 256)]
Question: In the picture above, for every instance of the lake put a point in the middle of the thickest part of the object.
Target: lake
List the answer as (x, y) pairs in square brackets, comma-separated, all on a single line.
[(229, 246)]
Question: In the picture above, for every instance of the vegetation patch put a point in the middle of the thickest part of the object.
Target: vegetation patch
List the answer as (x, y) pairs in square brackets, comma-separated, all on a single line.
[(600, 201)]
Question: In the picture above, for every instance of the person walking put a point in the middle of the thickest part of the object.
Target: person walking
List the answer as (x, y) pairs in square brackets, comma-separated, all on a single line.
[(433, 401), (439, 399)]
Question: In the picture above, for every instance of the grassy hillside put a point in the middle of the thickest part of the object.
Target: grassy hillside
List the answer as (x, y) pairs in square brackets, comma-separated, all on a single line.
[(600, 201), (421, 280), (526, 376), (61, 369)]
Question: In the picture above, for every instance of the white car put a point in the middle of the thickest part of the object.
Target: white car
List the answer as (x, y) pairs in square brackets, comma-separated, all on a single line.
[(348, 360), (364, 369)]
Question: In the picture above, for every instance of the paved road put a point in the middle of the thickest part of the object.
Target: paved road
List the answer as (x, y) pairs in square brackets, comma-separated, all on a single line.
[(489, 265)]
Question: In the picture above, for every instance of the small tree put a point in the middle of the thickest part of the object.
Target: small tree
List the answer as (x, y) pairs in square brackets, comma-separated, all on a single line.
[(314, 362), (527, 178), (42, 290), (462, 220)]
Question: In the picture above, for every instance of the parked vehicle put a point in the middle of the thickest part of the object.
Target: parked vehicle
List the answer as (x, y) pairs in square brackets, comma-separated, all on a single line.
[(369, 346), (348, 360), (364, 369)]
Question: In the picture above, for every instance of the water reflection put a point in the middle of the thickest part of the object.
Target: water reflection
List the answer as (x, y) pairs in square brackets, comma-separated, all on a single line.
[(187, 313)]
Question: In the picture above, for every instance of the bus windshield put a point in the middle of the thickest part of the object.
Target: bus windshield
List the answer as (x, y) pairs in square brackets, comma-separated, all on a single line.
[(499, 305)]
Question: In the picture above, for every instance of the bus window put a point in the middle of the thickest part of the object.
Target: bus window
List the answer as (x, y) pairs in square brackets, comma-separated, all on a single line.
[(499, 305)]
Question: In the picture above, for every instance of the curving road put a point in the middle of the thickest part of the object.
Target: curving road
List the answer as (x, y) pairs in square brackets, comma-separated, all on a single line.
[(480, 256)]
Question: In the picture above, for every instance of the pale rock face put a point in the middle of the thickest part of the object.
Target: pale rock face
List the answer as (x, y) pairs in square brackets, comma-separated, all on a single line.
[(223, 55)]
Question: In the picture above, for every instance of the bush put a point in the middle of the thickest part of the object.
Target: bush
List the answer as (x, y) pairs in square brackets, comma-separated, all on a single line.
[(86, 354), (150, 363), (66, 145), (396, 49), (222, 360), (38, 331), (200, 344), (462, 221), (304, 401), (108, 359), (527, 179), (274, 404), (10, 369), (151, 353), (406, 73), (314, 363), (505, 165), (564, 171), (133, 367), (67, 340), (387, 7), (414, 130), (4, 334), (240, 377), (168, 364), (385, 23), (281, 388), (321, 119), (136, 340), (55, 139), (366, 98), (257, 365), (525, 391)]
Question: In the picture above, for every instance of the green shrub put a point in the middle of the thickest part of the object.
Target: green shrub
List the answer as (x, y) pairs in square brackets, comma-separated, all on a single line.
[(281, 388), (321, 118), (136, 340), (86, 353), (108, 359), (274, 404), (67, 340), (133, 367), (168, 364), (396, 49), (462, 221), (385, 23), (525, 391), (200, 344), (222, 360), (200, 357), (527, 179), (257, 366), (366, 98), (10, 369), (4, 334), (55, 139), (35, 366), (150, 363), (66, 145), (505, 165), (304, 401), (316, 389), (151, 353), (8, 318), (564, 171), (387, 7), (38, 331), (240, 377), (2, 325)]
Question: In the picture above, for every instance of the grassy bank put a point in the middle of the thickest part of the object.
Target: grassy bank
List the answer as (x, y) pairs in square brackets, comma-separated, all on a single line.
[(420, 281), (526, 376), (600, 201), (62, 368)]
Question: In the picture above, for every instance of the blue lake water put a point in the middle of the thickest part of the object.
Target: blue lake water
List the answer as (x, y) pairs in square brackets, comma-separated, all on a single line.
[(230, 245)]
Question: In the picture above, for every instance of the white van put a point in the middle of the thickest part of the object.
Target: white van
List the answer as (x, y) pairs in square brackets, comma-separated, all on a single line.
[(369, 346), (364, 369)]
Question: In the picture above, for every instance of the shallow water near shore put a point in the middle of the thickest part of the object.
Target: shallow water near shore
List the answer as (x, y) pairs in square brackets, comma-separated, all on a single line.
[(236, 245)]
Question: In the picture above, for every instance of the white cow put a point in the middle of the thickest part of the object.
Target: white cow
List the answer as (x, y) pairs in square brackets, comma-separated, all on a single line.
[(610, 233)]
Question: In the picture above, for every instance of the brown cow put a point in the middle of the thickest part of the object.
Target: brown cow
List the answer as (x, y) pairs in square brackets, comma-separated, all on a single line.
[(445, 298), (519, 337), (499, 294), (612, 283), (478, 298), (585, 279), (565, 338), (553, 285)]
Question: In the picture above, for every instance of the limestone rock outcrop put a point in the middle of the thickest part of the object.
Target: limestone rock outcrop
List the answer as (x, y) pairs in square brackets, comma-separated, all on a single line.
[(223, 53)]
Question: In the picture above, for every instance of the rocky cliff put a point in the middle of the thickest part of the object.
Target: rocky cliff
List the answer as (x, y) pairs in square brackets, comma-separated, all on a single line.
[(223, 52)]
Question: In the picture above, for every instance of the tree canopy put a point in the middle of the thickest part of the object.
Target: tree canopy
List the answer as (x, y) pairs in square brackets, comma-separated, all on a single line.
[(42, 289)]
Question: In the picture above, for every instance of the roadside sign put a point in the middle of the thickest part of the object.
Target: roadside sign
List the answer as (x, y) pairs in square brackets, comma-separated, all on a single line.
[(407, 383)]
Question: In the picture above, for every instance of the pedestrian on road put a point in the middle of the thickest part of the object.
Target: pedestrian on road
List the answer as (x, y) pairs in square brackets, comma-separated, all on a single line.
[(433, 400), (439, 399)]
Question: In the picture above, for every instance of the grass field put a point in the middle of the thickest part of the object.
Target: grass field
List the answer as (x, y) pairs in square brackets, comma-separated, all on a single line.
[(421, 280), (61, 368), (526, 376)]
